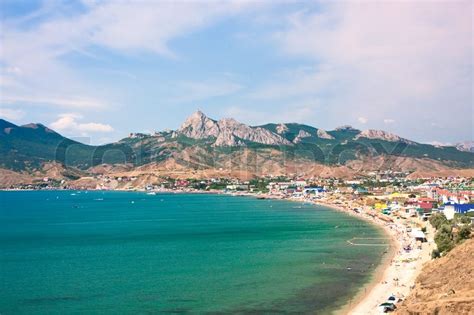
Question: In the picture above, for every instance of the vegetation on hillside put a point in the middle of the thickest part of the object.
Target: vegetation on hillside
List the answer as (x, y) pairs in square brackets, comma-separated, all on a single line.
[(449, 233)]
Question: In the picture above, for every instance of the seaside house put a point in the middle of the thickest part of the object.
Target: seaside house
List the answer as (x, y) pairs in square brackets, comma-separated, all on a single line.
[(315, 191), (299, 182), (425, 209), (240, 187), (446, 196), (450, 210)]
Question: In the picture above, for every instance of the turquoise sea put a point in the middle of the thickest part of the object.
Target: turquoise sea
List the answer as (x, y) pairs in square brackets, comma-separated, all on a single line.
[(64, 252)]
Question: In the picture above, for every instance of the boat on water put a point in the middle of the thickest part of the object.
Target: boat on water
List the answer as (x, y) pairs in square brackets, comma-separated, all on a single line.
[(151, 193)]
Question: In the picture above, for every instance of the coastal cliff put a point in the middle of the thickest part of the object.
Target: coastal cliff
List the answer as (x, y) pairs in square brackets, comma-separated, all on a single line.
[(445, 285)]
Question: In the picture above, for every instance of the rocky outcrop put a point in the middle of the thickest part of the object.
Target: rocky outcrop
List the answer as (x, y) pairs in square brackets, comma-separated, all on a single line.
[(321, 133), (301, 135), (227, 131), (467, 146), (281, 129), (199, 126), (381, 135)]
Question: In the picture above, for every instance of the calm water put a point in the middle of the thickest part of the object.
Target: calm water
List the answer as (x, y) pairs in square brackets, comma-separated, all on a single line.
[(129, 253)]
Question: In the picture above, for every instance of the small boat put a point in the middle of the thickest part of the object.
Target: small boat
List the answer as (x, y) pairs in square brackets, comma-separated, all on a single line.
[(151, 193)]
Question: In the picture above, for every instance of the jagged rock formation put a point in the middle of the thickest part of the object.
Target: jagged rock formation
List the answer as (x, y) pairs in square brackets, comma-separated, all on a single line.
[(199, 126), (321, 133), (281, 128), (381, 135), (301, 135), (467, 146), (227, 131)]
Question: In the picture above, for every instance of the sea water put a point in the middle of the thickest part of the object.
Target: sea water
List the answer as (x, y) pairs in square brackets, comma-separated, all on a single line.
[(94, 252)]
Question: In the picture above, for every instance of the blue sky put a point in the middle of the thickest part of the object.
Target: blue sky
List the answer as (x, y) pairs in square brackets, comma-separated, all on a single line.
[(98, 70)]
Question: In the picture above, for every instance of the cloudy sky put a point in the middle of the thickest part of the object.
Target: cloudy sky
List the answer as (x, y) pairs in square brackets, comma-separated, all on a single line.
[(101, 69)]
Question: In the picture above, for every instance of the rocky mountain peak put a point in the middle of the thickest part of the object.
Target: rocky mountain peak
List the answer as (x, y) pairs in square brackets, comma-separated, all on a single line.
[(467, 146), (301, 135), (381, 135), (199, 126), (281, 128), (227, 131), (323, 134), (228, 123)]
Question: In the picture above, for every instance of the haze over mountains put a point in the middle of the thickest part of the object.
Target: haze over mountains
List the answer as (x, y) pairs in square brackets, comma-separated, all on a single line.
[(202, 143)]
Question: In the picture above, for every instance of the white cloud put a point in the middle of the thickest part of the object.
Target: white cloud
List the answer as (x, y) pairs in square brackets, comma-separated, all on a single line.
[(95, 127), (362, 120), (68, 122), (11, 114), (60, 102), (405, 60), (388, 121), (34, 46)]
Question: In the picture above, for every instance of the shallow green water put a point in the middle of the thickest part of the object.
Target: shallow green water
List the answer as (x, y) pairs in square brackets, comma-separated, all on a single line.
[(129, 253)]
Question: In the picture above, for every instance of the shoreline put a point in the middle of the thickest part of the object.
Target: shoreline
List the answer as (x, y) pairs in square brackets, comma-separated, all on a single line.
[(395, 274), (378, 273)]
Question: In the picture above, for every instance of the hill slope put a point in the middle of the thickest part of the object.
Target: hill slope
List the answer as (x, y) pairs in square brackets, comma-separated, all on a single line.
[(28, 147), (445, 285)]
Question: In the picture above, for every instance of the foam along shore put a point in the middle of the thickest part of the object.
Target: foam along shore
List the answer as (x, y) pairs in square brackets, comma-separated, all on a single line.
[(399, 268)]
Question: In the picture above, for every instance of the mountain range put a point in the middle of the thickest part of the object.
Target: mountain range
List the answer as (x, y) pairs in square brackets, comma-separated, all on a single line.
[(202, 143)]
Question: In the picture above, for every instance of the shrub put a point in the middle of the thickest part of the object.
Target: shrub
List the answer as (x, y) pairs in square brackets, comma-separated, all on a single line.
[(444, 239), (463, 233), (435, 254), (445, 228), (463, 219), (437, 220)]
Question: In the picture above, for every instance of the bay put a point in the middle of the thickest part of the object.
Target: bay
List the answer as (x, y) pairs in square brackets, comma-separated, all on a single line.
[(97, 252)]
